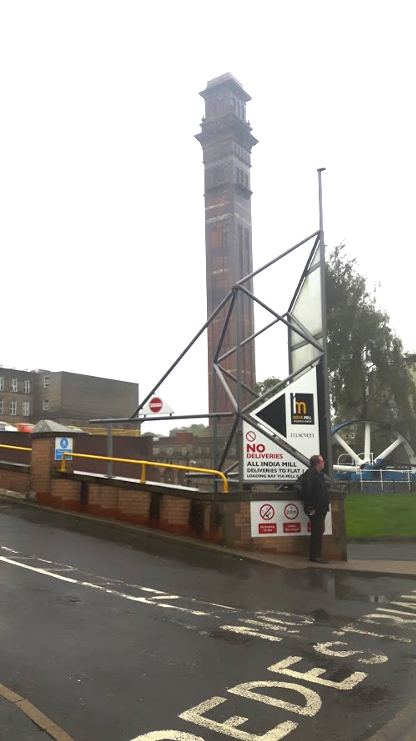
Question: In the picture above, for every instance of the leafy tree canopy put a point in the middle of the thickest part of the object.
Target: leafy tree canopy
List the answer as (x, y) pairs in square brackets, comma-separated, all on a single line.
[(369, 375), (195, 429)]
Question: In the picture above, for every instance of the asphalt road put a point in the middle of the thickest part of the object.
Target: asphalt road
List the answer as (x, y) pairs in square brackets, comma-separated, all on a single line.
[(114, 634)]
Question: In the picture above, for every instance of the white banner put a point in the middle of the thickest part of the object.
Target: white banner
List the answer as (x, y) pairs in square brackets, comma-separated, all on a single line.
[(275, 518)]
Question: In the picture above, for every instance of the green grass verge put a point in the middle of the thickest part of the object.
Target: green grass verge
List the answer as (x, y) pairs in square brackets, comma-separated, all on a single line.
[(381, 515)]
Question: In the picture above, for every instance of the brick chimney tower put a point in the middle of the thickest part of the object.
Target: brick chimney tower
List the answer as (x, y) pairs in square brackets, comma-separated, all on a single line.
[(227, 142)]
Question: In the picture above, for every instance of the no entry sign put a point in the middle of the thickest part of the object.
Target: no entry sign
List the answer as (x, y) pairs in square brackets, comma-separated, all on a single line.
[(155, 404)]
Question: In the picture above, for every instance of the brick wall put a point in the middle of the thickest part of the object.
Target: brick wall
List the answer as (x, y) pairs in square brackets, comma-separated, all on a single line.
[(238, 534), (174, 514), (221, 518), (41, 465), (14, 479)]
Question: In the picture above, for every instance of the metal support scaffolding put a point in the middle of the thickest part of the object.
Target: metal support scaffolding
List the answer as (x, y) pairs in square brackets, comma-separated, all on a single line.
[(294, 319)]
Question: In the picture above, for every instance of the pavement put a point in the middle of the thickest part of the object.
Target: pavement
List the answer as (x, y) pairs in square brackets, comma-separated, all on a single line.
[(112, 633)]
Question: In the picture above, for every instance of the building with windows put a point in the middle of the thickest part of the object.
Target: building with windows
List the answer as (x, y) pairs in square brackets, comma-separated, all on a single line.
[(68, 398)]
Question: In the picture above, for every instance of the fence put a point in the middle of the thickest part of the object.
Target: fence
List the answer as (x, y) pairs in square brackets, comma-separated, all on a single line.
[(382, 481)]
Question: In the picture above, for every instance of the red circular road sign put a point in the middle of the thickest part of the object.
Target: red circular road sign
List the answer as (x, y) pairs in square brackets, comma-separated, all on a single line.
[(155, 404), (250, 436), (266, 512), (291, 511)]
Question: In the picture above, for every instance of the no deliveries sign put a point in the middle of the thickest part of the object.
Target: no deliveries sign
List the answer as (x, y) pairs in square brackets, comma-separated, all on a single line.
[(281, 518)]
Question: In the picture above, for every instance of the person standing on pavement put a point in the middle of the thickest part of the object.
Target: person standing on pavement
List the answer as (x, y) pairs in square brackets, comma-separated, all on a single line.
[(316, 505)]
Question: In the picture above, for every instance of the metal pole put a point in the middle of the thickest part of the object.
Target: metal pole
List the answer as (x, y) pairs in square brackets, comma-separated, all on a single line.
[(215, 442), (275, 259), (326, 410), (308, 337), (110, 450), (147, 418), (238, 314), (227, 373), (225, 387), (228, 445), (249, 339), (225, 327), (179, 358)]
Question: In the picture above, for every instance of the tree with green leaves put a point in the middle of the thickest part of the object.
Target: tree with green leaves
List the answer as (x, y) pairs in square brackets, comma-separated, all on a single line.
[(369, 374), (195, 429), (262, 386)]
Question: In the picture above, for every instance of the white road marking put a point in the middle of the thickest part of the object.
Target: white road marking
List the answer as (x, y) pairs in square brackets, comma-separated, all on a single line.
[(159, 594), (365, 633), (397, 612), (326, 650), (282, 617), (392, 615), (313, 701), (409, 605), (315, 675), (168, 736), (229, 727), (242, 630), (113, 592), (267, 623), (39, 571)]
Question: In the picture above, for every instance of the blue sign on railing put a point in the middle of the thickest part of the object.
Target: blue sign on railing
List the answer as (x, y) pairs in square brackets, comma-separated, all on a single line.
[(63, 445)]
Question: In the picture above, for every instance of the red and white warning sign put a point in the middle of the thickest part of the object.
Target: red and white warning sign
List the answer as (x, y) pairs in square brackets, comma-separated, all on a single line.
[(281, 518), (156, 405)]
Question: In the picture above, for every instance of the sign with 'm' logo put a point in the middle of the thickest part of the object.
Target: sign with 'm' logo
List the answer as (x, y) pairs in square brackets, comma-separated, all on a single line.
[(302, 409)]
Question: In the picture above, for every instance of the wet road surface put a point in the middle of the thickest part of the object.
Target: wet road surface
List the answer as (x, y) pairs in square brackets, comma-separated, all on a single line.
[(114, 635)]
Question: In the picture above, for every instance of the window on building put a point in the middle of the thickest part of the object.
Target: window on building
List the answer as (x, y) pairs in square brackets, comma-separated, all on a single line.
[(45, 405), (13, 384), (246, 180), (1, 406), (238, 174), (27, 387), (26, 409), (46, 382), (13, 407), (1, 383)]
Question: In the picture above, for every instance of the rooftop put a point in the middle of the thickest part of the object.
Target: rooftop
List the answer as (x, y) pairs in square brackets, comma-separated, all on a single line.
[(226, 80)]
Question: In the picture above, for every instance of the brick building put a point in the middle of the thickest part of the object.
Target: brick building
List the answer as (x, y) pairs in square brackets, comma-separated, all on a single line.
[(227, 141), (68, 398), (187, 449)]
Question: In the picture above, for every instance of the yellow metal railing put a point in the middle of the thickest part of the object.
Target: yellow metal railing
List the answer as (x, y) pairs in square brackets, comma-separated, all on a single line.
[(144, 465), (15, 447)]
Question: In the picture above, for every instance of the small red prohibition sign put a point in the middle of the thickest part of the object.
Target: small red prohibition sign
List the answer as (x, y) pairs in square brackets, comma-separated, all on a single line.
[(250, 436), (266, 512), (291, 511), (155, 404)]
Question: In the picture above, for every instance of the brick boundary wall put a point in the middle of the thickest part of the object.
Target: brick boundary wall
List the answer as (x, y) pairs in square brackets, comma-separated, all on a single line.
[(14, 477), (219, 518)]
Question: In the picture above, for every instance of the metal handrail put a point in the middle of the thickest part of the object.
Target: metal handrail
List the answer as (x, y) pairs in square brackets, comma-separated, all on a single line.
[(15, 447), (144, 465)]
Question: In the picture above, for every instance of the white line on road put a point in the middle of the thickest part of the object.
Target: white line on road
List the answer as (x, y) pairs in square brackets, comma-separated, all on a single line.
[(113, 592)]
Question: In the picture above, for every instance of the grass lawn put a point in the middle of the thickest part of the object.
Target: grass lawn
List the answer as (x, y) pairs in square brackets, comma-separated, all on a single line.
[(381, 515)]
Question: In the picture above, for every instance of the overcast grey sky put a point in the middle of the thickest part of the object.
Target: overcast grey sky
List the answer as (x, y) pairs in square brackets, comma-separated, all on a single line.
[(101, 180)]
